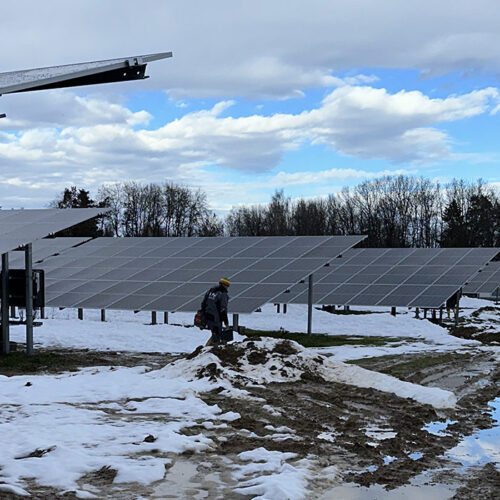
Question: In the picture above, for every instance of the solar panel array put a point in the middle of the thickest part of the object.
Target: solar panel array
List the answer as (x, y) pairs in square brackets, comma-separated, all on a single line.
[(45, 248), (172, 274), (418, 277), (20, 227), (486, 282)]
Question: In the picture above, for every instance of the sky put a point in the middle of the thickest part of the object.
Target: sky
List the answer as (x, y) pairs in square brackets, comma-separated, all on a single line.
[(259, 96)]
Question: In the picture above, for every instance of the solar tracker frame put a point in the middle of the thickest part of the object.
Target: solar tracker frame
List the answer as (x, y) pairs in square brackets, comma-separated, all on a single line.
[(193, 264)]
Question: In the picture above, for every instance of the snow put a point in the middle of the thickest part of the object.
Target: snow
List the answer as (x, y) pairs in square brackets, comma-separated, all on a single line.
[(117, 335), (56, 403), (100, 416), (331, 371), (126, 331), (276, 479), (10, 488)]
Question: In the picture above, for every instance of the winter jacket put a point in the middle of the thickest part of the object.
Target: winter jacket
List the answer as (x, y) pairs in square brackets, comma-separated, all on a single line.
[(214, 305)]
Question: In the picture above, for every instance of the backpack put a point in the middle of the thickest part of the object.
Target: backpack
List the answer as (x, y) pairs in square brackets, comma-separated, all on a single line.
[(199, 319)]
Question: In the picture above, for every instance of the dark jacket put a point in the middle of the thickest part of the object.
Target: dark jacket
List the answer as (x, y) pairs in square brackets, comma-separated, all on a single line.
[(214, 305)]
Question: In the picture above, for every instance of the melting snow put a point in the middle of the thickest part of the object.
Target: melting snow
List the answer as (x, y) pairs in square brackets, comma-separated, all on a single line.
[(99, 417)]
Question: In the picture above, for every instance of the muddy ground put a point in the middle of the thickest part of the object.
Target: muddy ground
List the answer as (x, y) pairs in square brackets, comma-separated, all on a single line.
[(324, 422), (311, 408)]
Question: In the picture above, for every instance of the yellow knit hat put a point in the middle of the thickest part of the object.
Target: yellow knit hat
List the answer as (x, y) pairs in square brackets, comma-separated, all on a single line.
[(224, 281)]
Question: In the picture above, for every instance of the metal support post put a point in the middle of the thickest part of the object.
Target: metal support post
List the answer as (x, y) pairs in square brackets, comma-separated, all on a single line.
[(42, 313), (236, 322), (425, 313), (80, 313), (457, 311), (434, 315), (393, 311), (103, 314), (5, 303), (277, 308), (284, 308), (28, 261), (441, 315), (165, 317), (153, 317), (12, 311), (309, 305), (417, 313)]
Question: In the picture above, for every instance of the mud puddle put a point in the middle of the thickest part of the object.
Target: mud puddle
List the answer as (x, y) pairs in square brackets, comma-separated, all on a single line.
[(483, 446), (408, 492), (183, 479)]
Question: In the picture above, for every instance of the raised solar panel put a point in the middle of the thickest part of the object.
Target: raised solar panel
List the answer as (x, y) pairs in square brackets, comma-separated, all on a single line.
[(393, 277), (149, 272), (20, 227)]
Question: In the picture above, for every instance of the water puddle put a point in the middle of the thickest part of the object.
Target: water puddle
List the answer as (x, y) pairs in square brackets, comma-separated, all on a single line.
[(417, 491), (482, 447), (183, 481), (438, 428), (475, 450)]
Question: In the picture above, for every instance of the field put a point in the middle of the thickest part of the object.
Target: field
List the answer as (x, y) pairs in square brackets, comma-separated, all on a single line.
[(371, 406)]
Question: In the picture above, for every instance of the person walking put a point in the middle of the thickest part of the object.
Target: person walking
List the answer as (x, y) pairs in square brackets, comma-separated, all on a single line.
[(214, 305)]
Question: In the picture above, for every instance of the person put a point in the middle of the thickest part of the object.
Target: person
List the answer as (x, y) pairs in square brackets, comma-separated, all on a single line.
[(214, 305)]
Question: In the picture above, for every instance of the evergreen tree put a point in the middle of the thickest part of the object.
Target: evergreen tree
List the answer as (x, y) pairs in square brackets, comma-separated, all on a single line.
[(482, 222), (455, 233)]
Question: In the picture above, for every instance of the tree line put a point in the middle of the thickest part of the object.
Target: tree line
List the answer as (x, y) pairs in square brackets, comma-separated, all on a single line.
[(393, 211), (137, 209)]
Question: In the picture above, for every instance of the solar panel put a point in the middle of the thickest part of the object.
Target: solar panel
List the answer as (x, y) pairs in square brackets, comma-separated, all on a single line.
[(44, 248), (394, 277), (20, 227), (146, 273), (486, 282)]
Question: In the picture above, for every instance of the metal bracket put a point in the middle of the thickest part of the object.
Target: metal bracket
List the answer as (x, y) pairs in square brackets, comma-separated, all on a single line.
[(135, 61)]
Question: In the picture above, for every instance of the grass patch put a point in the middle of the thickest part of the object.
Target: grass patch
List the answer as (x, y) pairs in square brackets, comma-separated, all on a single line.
[(319, 340), (20, 363), (486, 336)]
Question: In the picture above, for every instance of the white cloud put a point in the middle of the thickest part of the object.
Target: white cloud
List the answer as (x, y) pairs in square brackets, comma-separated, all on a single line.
[(59, 108), (361, 121), (284, 179)]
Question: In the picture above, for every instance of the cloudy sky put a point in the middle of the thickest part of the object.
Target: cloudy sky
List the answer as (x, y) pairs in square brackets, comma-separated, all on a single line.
[(260, 95)]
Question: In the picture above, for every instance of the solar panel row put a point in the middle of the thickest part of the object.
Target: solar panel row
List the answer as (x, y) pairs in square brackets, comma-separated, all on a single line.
[(171, 274), (406, 277)]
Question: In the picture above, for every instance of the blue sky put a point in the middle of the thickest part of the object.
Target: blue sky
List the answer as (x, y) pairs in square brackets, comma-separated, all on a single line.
[(259, 96)]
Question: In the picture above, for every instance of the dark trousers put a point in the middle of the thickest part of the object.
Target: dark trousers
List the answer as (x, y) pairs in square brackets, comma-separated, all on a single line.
[(216, 335)]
